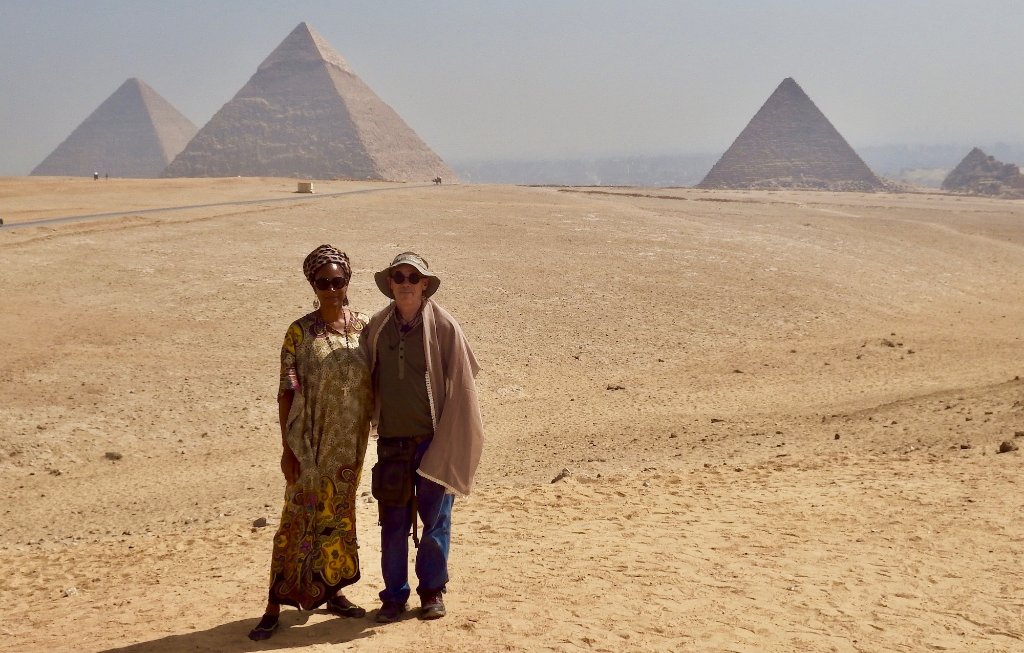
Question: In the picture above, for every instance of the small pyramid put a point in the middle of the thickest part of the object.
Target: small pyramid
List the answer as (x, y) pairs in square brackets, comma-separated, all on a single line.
[(306, 114), (981, 174), (790, 143), (134, 133)]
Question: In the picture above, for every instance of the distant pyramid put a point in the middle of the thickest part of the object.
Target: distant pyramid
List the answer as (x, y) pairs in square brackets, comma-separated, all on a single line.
[(789, 143), (981, 174), (305, 114), (134, 133)]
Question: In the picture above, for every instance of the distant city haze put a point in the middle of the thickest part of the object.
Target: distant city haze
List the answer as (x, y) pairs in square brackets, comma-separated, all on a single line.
[(549, 81)]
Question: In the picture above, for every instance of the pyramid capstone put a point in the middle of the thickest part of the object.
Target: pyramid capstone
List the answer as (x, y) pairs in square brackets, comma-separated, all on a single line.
[(306, 114), (133, 133), (790, 143)]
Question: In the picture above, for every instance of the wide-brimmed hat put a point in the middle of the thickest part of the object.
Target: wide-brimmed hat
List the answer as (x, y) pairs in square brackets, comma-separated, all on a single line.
[(407, 258)]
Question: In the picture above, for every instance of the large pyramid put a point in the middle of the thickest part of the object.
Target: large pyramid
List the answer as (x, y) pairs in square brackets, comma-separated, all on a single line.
[(134, 133), (789, 143), (305, 114)]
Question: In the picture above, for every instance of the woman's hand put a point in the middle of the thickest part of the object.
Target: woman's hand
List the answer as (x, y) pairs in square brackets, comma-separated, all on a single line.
[(289, 466)]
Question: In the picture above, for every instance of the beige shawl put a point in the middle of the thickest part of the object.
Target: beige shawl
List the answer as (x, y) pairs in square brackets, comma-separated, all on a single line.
[(453, 455)]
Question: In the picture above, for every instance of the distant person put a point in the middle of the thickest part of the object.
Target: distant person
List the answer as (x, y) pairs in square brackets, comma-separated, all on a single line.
[(324, 406), (430, 432), (106, 176)]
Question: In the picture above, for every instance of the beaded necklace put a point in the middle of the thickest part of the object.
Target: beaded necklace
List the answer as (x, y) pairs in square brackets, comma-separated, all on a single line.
[(322, 327)]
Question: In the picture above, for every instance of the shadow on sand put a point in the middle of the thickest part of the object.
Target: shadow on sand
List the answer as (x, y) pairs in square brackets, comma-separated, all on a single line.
[(233, 637)]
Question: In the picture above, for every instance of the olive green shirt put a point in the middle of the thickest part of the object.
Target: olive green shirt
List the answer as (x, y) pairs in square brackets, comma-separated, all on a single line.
[(401, 383)]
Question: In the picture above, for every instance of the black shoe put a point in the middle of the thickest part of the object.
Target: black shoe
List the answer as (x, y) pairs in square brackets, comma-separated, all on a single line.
[(390, 611), (342, 607), (432, 606), (265, 628)]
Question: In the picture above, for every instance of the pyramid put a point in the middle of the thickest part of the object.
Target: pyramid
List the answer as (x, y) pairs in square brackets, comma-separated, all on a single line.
[(981, 174), (790, 143), (134, 133), (306, 114)]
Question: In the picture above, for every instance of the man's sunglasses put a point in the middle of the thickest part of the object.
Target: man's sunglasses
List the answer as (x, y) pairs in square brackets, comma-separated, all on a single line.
[(330, 283), (414, 277)]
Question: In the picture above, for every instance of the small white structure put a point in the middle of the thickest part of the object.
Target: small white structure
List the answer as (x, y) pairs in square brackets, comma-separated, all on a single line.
[(305, 187)]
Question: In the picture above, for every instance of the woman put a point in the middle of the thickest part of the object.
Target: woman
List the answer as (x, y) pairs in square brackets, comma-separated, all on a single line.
[(324, 408)]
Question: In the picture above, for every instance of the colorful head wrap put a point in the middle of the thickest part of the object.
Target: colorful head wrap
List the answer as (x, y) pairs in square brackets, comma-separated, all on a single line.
[(323, 255)]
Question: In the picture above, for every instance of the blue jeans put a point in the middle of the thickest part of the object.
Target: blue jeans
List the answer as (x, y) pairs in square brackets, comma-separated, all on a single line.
[(435, 511)]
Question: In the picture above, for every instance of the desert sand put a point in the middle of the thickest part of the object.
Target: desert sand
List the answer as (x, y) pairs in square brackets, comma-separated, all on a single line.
[(780, 413)]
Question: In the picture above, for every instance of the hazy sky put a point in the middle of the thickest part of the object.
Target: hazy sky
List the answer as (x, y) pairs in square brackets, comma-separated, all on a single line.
[(539, 79)]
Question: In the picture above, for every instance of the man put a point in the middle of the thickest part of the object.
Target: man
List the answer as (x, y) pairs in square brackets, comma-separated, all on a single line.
[(422, 369)]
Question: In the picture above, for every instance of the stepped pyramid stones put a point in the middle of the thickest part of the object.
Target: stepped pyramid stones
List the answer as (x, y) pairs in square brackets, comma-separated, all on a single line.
[(306, 114), (789, 143), (134, 133), (980, 174)]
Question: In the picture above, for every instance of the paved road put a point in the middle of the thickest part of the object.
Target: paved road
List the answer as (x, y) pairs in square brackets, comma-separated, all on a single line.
[(116, 214)]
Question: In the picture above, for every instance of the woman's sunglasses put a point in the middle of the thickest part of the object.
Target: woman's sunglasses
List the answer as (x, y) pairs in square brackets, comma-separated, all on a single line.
[(330, 283), (414, 277)]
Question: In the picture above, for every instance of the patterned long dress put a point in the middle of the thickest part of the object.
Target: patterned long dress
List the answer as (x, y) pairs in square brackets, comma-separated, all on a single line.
[(315, 549)]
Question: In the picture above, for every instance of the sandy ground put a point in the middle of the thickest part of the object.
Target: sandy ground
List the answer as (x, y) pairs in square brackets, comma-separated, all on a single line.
[(780, 412), (25, 199)]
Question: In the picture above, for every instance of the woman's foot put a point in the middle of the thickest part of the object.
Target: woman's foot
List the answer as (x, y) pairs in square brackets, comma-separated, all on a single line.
[(265, 628), (342, 607)]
